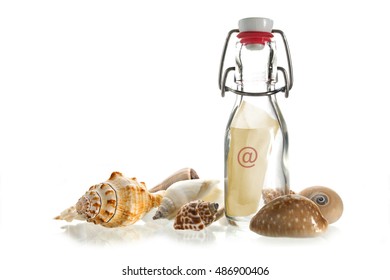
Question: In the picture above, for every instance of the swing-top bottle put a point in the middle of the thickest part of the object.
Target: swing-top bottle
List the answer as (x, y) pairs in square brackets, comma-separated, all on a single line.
[(256, 140)]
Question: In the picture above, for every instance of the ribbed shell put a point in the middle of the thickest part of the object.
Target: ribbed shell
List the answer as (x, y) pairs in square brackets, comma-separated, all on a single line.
[(119, 201), (196, 215)]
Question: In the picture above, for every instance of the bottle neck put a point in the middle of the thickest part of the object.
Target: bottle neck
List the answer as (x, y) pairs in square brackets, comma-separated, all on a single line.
[(255, 66)]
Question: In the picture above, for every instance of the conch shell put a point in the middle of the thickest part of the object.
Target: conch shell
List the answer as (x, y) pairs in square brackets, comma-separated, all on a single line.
[(181, 193), (119, 201), (196, 215)]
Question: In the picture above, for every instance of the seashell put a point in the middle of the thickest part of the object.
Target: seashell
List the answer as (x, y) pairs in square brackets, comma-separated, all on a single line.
[(181, 193), (180, 175), (196, 215), (220, 214), (69, 215), (119, 201), (271, 194), (289, 216), (327, 200)]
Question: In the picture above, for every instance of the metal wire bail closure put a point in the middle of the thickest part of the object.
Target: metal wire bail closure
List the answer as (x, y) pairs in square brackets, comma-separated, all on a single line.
[(288, 76)]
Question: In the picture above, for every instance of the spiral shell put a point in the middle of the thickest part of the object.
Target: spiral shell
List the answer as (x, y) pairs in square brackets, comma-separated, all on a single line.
[(327, 200), (196, 215), (119, 201)]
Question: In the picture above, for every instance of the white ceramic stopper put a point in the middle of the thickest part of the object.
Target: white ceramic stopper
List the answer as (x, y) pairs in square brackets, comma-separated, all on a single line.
[(255, 24)]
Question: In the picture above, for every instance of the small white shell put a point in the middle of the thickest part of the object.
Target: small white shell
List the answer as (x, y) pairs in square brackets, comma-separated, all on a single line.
[(181, 193)]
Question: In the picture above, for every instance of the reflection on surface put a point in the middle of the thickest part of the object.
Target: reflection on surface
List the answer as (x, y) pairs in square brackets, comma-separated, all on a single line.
[(88, 233), (94, 234)]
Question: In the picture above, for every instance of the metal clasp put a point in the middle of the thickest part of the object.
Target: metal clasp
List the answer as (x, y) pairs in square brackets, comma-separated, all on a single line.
[(288, 76)]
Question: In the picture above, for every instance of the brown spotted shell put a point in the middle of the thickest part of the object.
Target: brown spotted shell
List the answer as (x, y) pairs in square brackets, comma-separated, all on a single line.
[(196, 215), (289, 216), (119, 201), (327, 200)]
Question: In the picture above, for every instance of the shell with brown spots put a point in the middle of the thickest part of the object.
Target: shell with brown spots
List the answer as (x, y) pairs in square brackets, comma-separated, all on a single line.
[(289, 216)]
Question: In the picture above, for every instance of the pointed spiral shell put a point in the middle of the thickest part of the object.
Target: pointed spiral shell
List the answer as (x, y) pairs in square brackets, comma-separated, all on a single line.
[(119, 201), (196, 215)]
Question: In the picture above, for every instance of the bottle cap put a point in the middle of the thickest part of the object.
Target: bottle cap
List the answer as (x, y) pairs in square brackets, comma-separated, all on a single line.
[(255, 24)]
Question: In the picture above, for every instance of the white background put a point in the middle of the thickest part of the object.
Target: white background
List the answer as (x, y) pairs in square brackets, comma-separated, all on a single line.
[(91, 87)]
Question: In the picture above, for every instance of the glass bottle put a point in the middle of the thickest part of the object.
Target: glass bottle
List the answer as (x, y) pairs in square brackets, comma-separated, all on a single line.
[(256, 140)]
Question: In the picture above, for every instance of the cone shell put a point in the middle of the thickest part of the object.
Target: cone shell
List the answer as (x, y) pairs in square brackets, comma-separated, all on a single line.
[(289, 216), (119, 201), (196, 215), (182, 192)]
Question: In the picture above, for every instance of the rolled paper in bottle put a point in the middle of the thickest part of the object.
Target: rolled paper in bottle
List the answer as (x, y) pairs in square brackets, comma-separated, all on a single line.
[(252, 132)]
